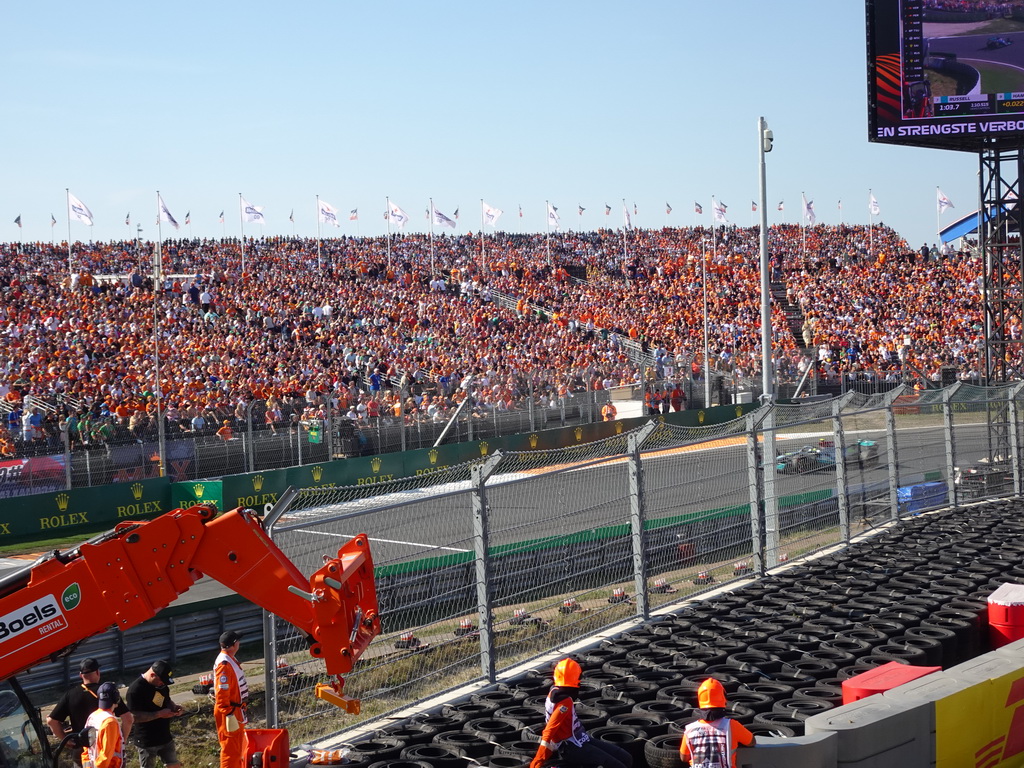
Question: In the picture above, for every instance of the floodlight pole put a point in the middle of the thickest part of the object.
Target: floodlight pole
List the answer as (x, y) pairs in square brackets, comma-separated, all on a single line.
[(764, 145)]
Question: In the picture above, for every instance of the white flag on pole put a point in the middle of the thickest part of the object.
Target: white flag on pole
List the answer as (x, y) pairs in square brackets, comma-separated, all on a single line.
[(873, 208), (553, 217), (252, 213), (79, 210), (942, 201), (396, 215), (328, 214), (491, 215), (718, 209), (809, 210), (628, 222), (441, 220), (165, 215)]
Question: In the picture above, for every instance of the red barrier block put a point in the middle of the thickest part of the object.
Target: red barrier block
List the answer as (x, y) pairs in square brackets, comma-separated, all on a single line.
[(1006, 615), (881, 679)]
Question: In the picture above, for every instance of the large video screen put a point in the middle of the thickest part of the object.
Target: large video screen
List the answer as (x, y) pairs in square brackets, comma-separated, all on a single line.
[(946, 73)]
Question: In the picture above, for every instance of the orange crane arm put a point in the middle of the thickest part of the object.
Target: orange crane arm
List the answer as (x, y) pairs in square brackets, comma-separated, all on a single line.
[(127, 576)]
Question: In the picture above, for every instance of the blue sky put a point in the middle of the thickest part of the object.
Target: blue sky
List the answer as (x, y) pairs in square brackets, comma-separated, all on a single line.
[(579, 103)]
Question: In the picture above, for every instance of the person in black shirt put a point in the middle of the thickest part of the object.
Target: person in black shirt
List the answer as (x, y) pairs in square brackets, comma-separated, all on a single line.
[(80, 701), (149, 699)]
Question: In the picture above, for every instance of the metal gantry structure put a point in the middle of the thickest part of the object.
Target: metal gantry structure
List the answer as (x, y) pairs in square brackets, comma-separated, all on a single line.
[(1001, 169)]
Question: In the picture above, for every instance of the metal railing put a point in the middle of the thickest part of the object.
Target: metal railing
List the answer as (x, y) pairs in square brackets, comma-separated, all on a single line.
[(494, 563)]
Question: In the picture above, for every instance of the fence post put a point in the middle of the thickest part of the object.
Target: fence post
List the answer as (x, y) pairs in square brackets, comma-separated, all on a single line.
[(269, 621), (757, 522), (66, 439), (890, 436), (947, 429), (481, 536), (1011, 403), (769, 453), (638, 517), (270, 668), (842, 482), (329, 427), (532, 407), (250, 447)]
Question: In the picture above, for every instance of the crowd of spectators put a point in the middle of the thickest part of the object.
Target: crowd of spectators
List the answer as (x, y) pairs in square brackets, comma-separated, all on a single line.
[(406, 329)]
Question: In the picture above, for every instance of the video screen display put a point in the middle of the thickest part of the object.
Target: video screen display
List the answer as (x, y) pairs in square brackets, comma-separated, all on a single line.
[(947, 74)]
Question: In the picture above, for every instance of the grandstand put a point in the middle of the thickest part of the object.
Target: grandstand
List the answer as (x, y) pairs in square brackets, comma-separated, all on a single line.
[(391, 343)]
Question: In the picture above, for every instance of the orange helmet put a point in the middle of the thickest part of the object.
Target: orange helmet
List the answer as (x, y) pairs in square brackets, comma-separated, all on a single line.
[(711, 694), (567, 674)]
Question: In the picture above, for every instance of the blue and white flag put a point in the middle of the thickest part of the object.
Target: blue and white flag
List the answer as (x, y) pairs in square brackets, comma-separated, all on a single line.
[(441, 220), (328, 214), (718, 211), (252, 213), (79, 210), (396, 215), (165, 215), (942, 201), (809, 213), (873, 208), (491, 215)]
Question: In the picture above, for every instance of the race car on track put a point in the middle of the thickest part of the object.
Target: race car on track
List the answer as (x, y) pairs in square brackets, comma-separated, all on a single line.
[(811, 458), (997, 42)]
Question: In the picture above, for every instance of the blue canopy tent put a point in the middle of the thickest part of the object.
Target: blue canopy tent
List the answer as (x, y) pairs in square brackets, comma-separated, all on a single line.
[(968, 225)]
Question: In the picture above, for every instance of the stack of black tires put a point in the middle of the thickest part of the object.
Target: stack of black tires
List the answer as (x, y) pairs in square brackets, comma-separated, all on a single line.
[(782, 647)]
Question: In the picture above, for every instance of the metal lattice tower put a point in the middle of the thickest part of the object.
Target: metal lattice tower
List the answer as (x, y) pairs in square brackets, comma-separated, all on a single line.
[(1002, 251)]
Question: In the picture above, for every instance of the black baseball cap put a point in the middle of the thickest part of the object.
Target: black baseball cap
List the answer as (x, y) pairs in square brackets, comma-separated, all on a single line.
[(108, 695), (229, 638), (162, 669), (89, 665)]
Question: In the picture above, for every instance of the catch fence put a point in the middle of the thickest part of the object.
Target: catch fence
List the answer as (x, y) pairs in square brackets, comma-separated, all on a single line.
[(495, 562)]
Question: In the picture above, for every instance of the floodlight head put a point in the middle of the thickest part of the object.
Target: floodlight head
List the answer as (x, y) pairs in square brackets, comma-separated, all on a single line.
[(766, 140)]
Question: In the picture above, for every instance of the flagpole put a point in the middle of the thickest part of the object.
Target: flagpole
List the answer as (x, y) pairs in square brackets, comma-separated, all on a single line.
[(714, 236), (241, 225), (159, 232), (871, 227), (387, 216), (157, 264), (319, 263), (547, 228), (483, 255), (803, 226), (67, 193), (431, 238), (625, 255), (938, 222)]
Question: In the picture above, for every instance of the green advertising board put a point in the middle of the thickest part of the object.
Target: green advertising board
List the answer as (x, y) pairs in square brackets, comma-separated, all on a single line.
[(184, 495), (83, 510)]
